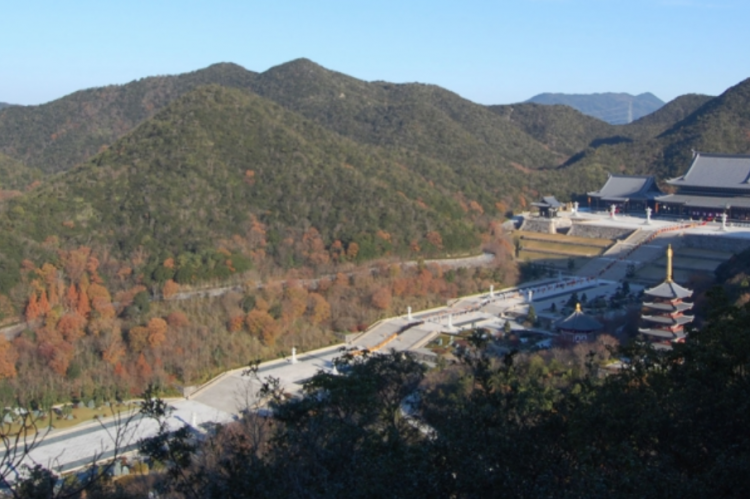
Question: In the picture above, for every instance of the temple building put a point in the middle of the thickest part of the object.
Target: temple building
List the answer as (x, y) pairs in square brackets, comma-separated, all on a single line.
[(629, 193), (713, 185), (578, 327), (548, 206), (664, 310)]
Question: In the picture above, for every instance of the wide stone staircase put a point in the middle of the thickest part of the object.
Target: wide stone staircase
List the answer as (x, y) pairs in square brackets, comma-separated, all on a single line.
[(636, 252)]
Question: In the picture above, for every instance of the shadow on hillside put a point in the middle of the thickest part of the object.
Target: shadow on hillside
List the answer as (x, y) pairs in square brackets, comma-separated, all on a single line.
[(610, 141), (606, 141)]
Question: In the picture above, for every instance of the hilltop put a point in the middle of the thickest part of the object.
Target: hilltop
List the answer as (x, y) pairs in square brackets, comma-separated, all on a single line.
[(718, 124), (216, 161), (560, 128), (614, 108), (60, 134)]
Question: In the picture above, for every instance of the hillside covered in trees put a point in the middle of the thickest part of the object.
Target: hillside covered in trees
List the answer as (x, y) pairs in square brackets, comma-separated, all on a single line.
[(113, 197)]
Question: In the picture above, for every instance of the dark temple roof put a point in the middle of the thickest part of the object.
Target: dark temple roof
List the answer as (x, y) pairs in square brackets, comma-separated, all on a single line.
[(698, 201), (717, 171), (578, 321), (622, 188), (548, 202)]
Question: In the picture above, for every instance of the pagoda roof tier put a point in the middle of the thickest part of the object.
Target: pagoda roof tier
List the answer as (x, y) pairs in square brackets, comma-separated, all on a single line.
[(669, 320), (622, 188), (669, 307), (579, 322), (662, 333), (670, 290)]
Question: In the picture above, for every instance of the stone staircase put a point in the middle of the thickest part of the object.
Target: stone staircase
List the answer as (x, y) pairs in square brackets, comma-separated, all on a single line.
[(639, 249)]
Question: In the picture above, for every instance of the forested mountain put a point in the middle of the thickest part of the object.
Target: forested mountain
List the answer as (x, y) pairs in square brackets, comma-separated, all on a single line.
[(614, 108), (217, 160), (561, 128), (14, 175), (720, 124), (489, 156), (667, 116), (448, 159), (425, 118), (491, 150), (55, 136), (113, 199), (4, 104)]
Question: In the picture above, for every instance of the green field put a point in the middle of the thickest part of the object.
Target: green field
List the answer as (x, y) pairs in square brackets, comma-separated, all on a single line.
[(562, 238), (559, 248)]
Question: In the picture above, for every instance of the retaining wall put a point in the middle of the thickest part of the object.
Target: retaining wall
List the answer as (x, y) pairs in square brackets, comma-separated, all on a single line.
[(599, 231), (719, 242), (541, 225)]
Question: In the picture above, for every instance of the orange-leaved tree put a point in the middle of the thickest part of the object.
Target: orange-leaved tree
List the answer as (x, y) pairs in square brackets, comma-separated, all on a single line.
[(262, 325), (8, 358), (157, 331)]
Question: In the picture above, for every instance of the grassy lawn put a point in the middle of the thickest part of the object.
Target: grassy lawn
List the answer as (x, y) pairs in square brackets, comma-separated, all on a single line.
[(562, 238), (565, 249)]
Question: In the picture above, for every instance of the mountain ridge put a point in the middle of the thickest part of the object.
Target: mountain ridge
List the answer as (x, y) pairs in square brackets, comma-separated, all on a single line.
[(178, 184), (57, 135), (616, 108)]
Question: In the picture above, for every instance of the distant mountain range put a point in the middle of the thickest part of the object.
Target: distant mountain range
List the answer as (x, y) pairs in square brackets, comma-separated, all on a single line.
[(614, 108), (4, 104)]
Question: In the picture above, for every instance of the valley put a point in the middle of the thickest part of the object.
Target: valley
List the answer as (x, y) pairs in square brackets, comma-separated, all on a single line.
[(163, 233)]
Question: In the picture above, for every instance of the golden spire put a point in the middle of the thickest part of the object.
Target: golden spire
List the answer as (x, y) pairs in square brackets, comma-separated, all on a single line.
[(578, 307), (669, 263)]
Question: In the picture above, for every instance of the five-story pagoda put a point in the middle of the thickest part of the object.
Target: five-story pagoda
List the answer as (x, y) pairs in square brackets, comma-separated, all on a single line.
[(665, 311)]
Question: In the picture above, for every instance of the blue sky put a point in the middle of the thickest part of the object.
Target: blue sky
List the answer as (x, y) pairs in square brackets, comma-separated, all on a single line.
[(492, 52)]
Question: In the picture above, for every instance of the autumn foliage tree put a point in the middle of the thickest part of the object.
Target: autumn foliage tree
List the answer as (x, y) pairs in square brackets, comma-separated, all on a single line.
[(320, 309), (381, 298), (8, 358), (262, 325), (138, 339), (170, 288), (157, 331), (44, 306), (71, 327), (294, 303), (83, 307), (235, 323), (177, 319), (32, 308)]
